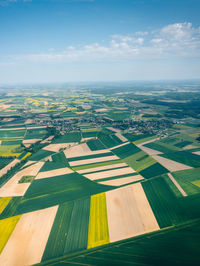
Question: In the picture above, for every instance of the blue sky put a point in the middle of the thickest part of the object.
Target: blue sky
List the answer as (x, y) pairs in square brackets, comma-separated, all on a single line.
[(99, 40)]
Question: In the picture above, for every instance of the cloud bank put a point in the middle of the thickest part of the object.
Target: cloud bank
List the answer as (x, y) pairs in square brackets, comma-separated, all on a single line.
[(174, 40)]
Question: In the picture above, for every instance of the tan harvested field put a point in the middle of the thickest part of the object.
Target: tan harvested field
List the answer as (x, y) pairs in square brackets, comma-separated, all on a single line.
[(78, 150), (28, 240), (29, 121), (105, 167), (122, 181), (197, 152), (57, 147), (114, 129), (149, 151), (119, 145), (188, 147), (13, 188), (148, 141), (13, 129), (29, 162), (101, 110), (170, 164), (30, 141), (36, 127), (0, 142), (52, 173), (47, 139), (82, 150), (4, 106), (94, 160), (122, 138), (9, 119), (86, 139), (177, 185), (8, 167), (129, 213), (110, 173), (49, 158)]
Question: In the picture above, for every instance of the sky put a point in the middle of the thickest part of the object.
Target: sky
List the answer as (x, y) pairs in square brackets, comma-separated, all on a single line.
[(99, 40)]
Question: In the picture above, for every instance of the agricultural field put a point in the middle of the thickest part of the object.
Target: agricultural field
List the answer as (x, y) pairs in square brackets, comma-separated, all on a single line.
[(97, 176)]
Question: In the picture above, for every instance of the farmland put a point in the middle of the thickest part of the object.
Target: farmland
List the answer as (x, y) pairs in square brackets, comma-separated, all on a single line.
[(92, 176)]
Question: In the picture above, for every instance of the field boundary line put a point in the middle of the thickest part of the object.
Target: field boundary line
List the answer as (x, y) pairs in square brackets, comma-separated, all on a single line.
[(177, 185)]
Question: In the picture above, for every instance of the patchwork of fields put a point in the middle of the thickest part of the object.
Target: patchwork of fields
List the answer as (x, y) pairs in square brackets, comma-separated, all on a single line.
[(84, 194)]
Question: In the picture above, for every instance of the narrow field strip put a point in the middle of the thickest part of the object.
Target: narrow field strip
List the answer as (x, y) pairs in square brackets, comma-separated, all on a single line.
[(30, 141), (121, 137), (118, 146), (101, 168), (122, 181), (149, 151), (94, 160), (6, 228), (177, 185), (93, 165), (77, 235), (53, 173), (4, 202), (146, 213), (129, 213), (98, 225), (90, 156), (171, 165), (196, 152), (110, 173), (28, 240)]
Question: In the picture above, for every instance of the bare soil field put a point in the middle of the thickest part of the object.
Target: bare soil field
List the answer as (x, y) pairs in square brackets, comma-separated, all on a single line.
[(171, 165), (122, 181), (129, 213), (94, 160), (13, 188), (56, 172), (105, 167), (110, 173), (28, 240)]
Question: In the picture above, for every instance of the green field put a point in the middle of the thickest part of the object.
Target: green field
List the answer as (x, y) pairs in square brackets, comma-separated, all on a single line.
[(95, 145), (41, 154), (153, 170), (47, 192), (173, 246), (69, 137), (37, 133), (126, 150), (186, 179), (184, 157), (4, 162), (164, 203), (110, 140), (57, 239)]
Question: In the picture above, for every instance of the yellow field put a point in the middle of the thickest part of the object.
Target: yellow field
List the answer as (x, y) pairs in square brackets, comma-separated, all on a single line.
[(98, 225), (6, 228), (28, 154), (9, 150), (4, 202), (196, 183)]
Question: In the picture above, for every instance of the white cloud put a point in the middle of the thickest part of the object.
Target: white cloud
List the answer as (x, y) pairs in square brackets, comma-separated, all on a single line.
[(175, 40)]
